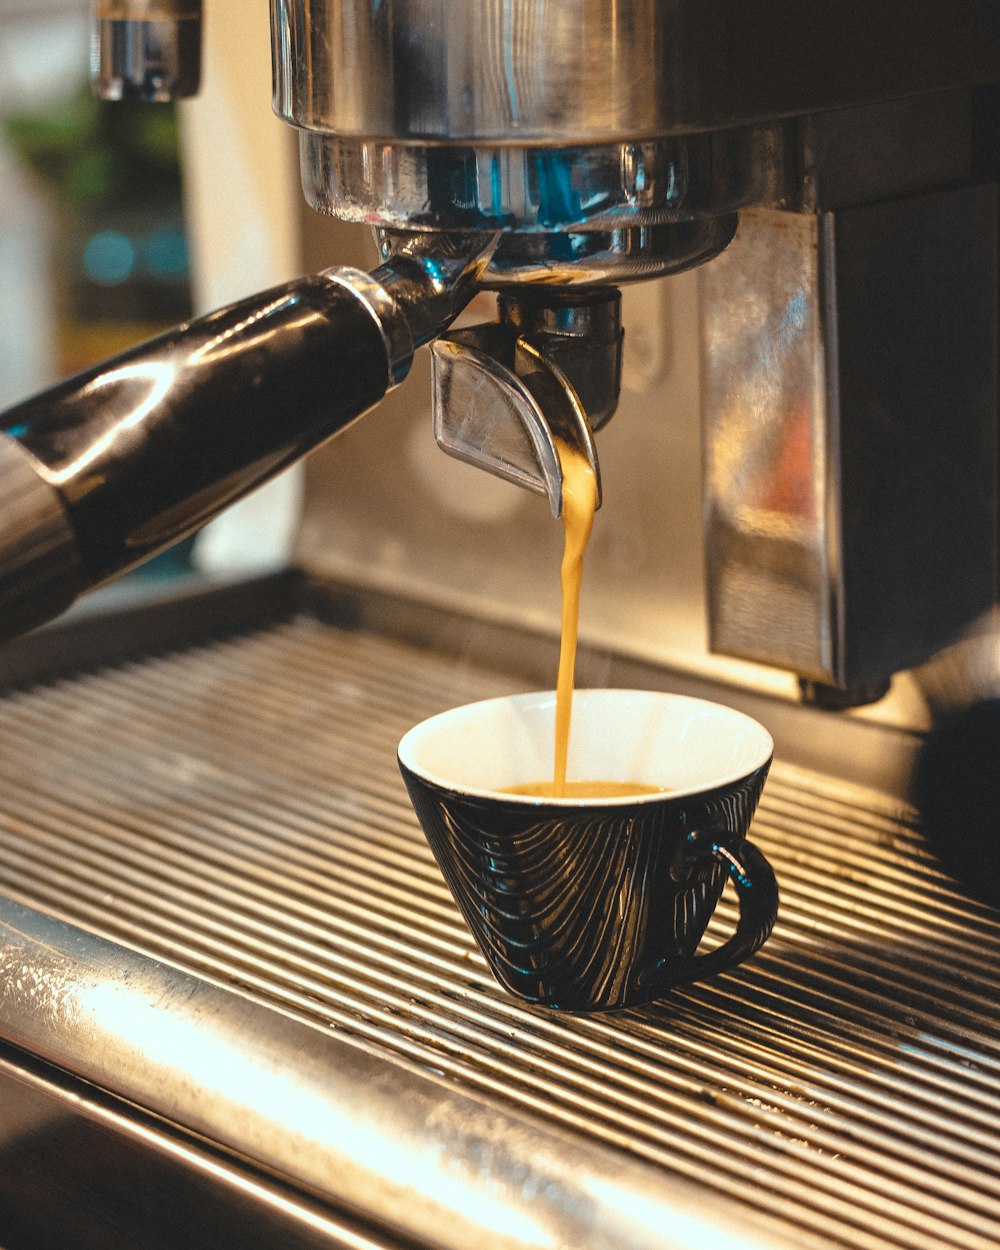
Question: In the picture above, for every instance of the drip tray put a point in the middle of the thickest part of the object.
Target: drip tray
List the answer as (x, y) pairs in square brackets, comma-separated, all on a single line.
[(224, 924)]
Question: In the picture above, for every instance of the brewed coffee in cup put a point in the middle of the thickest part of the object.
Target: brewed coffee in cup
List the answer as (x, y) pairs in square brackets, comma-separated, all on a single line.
[(590, 901)]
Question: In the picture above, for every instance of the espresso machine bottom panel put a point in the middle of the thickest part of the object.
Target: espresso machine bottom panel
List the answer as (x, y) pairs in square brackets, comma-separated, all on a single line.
[(219, 829)]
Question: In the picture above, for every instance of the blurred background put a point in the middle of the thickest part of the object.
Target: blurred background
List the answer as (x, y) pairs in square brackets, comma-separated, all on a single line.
[(99, 230), (93, 247)]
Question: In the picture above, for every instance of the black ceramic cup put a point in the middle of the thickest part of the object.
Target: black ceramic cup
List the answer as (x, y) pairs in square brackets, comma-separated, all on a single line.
[(596, 904)]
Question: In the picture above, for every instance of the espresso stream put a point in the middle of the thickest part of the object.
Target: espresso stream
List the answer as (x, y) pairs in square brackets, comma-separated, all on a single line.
[(579, 503)]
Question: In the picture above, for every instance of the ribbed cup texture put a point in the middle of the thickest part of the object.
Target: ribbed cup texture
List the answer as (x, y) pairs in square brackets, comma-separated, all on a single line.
[(586, 908)]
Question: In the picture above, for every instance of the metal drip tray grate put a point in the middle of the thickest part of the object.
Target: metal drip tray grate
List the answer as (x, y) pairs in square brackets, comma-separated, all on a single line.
[(235, 810)]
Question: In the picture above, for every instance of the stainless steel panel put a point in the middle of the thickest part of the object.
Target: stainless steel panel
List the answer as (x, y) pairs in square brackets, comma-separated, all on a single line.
[(427, 1163), (583, 71), (431, 70), (235, 811), (772, 557), (849, 396), (80, 1169)]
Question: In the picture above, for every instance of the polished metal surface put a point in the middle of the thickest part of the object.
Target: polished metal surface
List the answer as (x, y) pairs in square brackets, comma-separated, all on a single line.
[(503, 392), (146, 49), (418, 290), (593, 258), (849, 400), (543, 188), (581, 333), (530, 119), (428, 70), (319, 1110), (599, 115), (587, 71), (423, 283), (236, 811), (767, 470), (81, 1168), (485, 414)]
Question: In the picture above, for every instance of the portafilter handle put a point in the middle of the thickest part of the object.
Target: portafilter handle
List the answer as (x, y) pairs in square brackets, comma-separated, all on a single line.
[(121, 461)]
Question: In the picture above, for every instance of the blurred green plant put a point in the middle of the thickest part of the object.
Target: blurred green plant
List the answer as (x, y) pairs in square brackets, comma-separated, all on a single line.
[(97, 154)]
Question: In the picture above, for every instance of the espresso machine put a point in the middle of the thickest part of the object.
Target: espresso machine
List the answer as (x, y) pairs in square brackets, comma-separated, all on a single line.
[(235, 999)]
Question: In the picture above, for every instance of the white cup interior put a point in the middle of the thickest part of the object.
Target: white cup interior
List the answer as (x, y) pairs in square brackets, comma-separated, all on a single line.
[(669, 740)]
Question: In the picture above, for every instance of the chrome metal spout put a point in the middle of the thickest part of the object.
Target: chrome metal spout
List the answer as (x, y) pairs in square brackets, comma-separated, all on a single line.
[(504, 392), (146, 49)]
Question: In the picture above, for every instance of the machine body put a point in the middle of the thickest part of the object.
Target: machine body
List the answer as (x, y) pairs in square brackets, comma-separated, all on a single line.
[(225, 944), (587, 145)]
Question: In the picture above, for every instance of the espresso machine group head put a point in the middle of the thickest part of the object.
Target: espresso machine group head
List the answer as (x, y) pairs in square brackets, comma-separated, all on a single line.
[(551, 153)]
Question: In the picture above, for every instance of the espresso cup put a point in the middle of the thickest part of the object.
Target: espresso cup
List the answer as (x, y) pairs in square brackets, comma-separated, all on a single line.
[(593, 904)]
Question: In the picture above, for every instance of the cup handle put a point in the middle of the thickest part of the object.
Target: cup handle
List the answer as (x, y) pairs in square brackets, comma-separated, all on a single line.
[(757, 890)]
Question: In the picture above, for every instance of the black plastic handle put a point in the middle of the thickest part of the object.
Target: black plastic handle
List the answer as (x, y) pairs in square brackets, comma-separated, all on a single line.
[(126, 458)]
